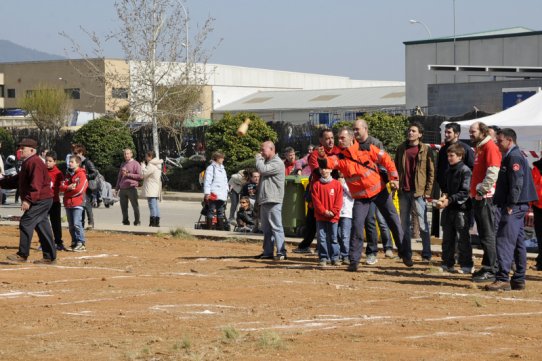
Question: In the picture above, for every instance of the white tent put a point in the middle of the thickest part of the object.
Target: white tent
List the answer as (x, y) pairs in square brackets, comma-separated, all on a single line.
[(525, 118)]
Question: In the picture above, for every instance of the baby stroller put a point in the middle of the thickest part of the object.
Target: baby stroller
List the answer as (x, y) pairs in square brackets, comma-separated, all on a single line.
[(201, 223), (103, 193)]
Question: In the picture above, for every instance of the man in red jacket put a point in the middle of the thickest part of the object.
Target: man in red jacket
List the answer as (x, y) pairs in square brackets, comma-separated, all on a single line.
[(34, 186)]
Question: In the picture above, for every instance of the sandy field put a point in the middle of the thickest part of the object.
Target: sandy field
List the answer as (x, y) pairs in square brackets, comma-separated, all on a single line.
[(168, 297)]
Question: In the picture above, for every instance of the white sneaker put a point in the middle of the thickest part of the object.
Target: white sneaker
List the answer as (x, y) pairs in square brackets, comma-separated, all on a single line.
[(389, 253), (466, 270), (371, 259), (444, 268), (79, 247)]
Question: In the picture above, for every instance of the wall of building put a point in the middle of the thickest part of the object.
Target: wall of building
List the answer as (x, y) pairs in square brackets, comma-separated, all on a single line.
[(523, 50), (460, 98)]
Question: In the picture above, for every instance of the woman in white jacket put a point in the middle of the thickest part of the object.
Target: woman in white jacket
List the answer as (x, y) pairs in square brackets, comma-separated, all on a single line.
[(152, 185), (215, 189)]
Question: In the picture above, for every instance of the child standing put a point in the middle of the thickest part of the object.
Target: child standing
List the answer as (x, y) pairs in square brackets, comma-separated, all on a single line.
[(327, 198), (345, 222), (55, 212), (455, 216), (74, 187)]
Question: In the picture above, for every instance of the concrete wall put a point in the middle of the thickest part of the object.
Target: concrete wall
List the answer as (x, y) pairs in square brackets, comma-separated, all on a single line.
[(523, 50), (457, 99)]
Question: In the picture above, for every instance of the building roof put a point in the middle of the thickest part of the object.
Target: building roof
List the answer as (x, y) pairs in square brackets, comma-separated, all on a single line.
[(497, 33), (387, 96)]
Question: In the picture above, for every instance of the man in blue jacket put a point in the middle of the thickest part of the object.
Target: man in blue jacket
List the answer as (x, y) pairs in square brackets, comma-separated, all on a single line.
[(515, 189)]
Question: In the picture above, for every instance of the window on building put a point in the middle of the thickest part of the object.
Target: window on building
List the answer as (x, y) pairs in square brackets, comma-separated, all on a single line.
[(11, 93), (119, 93), (73, 93), (1, 91)]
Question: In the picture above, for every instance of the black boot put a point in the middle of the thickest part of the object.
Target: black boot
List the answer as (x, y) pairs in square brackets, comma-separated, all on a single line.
[(157, 221), (220, 224), (209, 223), (151, 222)]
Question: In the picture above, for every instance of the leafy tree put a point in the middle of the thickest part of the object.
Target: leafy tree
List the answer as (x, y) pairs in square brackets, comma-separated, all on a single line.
[(222, 135), (49, 108), (105, 139), (8, 143)]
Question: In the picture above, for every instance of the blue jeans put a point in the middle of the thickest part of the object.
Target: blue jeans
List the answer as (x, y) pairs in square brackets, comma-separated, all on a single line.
[(372, 234), (328, 246), (345, 228), (406, 202), (75, 222), (271, 223), (153, 206)]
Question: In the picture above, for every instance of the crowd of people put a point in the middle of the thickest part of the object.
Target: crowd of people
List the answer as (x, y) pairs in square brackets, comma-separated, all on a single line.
[(349, 199)]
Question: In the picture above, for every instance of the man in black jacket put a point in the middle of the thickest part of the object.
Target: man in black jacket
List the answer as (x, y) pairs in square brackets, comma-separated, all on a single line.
[(515, 189), (451, 136)]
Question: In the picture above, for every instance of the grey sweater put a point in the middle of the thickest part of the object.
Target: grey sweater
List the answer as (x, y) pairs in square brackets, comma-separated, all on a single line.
[(271, 186)]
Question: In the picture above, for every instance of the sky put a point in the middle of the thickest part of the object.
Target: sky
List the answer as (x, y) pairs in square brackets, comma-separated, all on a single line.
[(355, 38)]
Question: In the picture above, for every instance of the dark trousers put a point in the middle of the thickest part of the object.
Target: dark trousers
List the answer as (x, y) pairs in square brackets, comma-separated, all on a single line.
[(234, 202), (55, 216), (87, 206), (385, 205), (36, 218), (510, 242), (125, 195), (372, 233), (455, 230), (310, 229), (537, 215), (484, 215)]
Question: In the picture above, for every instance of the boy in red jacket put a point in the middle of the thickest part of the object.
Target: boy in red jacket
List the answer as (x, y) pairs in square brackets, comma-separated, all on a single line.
[(327, 199), (74, 187), (55, 212)]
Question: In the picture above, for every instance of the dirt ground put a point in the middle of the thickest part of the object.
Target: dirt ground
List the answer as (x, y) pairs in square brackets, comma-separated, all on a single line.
[(167, 298)]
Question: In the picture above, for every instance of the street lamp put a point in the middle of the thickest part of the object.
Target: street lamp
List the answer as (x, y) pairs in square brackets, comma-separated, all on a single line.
[(412, 21)]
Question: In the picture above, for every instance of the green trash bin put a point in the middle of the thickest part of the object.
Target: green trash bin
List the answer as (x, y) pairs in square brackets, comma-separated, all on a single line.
[(293, 205)]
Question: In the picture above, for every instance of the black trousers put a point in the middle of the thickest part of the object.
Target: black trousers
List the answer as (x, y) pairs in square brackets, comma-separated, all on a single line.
[(484, 215), (125, 195), (36, 218), (310, 229), (87, 206), (55, 216), (537, 214)]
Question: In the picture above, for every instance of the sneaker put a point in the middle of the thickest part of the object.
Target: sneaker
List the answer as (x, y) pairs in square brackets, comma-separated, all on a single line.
[(262, 256), (90, 226), (15, 258), (466, 270), (498, 286), (371, 259), (484, 276), (60, 247), (336, 262), (389, 253), (45, 261), (426, 260), (126, 223), (352, 267), (233, 222), (137, 223), (444, 268), (281, 257), (79, 247), (345, 261), (322, 263), (408, 262), (307, 250)]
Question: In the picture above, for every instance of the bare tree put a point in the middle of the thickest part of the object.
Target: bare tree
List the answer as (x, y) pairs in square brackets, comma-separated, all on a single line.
[(49, 107), (167, 70)]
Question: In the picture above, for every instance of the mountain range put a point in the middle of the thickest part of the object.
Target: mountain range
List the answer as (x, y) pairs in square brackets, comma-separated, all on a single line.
[(11, 52)]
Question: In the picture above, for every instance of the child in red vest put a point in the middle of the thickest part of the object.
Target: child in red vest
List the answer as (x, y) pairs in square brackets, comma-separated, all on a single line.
[(55, 212), (327, 199), (74, 187)]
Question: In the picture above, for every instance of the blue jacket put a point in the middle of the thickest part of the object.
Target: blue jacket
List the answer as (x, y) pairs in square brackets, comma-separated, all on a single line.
[(515, 183), (216, 181)]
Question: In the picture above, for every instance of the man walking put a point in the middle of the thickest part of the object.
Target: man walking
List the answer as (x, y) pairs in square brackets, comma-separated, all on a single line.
[(487, 162), (34, 185), (416, 169), (269, 197), (514, 190), (126, 187)]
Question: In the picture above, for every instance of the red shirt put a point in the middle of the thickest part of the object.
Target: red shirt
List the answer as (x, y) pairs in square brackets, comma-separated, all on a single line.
[(485, 156), (288, 167), (327, 196), (74, 197), (56, 179), (411, 155)]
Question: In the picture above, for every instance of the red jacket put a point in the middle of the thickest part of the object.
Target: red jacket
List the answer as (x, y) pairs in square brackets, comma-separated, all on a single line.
[(327, 197), (537, 178), (74, 197), (32, 181), (363, 181), (56, 179), (313, 159)]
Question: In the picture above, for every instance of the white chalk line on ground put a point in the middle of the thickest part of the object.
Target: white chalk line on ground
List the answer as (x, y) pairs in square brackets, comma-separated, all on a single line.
[(18, 294), (191, 305), (487, 315), (477, 295), (446, 334), (103, 255), (193, 274), (80, 313), (319, 323)]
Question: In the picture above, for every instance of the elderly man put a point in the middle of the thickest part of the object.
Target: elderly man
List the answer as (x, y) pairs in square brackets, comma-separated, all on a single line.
[(34, 186), (359, 167), (126, 187), (269, 197)]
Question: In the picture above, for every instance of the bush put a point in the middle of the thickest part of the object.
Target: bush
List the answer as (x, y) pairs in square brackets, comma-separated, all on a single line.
[(105, 140), (187, 177), (8, 143), (222, 135)]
